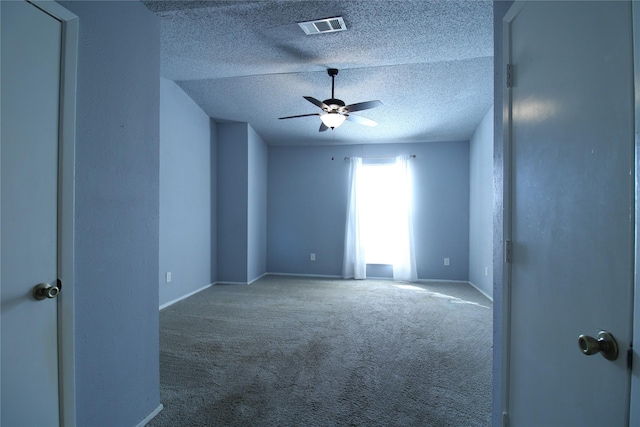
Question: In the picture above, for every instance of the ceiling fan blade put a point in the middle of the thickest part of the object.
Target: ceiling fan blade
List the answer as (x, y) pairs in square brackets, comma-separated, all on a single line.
[(316, 102), (323, 127), (361, 120), (300, 115), (362, 106)]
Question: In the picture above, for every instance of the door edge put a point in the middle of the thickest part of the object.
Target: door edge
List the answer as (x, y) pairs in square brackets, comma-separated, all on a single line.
[(511, 14), (634, 398), (66, 207)]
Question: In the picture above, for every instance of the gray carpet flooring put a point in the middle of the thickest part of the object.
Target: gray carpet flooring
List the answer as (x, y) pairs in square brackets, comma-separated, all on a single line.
[(289, 351)]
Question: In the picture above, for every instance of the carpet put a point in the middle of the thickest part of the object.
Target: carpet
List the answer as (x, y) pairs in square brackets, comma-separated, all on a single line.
[(287, 351)]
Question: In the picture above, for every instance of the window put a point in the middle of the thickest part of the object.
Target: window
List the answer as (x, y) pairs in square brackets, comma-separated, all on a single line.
[(380, 198), (379, 228)]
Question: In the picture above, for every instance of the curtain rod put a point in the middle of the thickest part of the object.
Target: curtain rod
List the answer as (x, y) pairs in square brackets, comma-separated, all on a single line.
[(413, 156)]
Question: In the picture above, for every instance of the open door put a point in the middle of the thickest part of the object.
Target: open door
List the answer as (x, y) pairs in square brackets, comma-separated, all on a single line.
[(570, 132), (39, 45)]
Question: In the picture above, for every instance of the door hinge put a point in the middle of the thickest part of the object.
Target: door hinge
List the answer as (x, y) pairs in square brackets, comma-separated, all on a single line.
[(505, 419), (630, 358), (507, 251), (509, 76)]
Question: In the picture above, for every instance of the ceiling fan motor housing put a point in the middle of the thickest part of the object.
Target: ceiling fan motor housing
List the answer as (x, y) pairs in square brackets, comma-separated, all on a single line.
[(334, 104)]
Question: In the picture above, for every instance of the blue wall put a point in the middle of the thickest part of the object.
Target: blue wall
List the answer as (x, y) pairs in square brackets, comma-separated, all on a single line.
[(116, 217), (481, 206), (233, 181), (242, 198), (307, 205), (257, 206), (307, 202), (187, 196)]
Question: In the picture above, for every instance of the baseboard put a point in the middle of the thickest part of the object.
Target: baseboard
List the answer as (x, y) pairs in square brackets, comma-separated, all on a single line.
[(466, 282), (257, 278), (167, 304), (331, 276), (324, 276), (151, 416), (227, 282), (490, 298)]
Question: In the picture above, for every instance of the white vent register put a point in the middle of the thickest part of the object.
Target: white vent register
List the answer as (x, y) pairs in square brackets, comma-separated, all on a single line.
[(319, 26)]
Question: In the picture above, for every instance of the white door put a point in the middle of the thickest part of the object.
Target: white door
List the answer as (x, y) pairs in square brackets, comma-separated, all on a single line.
[(30, 95), (572, 211)]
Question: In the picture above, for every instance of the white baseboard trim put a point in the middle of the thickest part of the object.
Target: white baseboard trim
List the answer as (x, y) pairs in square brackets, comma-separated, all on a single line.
[(489, 297), (325, 276), (151, 416), (227, 282), (167, 304), (258, 278), (332, 276), (466, 282)]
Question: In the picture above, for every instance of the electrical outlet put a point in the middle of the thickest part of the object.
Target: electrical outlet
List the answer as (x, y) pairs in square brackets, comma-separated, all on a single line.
[(312, 257), (486, 271), (167, 277), (447, 261)]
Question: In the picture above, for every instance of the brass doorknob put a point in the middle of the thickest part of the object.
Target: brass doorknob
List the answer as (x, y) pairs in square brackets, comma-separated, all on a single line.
[(44, 290), (605, 344)]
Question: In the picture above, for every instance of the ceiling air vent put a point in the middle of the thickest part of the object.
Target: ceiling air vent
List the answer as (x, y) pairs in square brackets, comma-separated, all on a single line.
[(328, 25)]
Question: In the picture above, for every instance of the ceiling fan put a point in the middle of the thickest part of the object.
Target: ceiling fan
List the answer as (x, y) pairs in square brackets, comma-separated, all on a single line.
[(335, 112)]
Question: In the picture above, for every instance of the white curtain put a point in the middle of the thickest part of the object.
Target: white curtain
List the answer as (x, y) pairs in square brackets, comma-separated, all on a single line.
[(404, 263), (353, 265), (403, 257)]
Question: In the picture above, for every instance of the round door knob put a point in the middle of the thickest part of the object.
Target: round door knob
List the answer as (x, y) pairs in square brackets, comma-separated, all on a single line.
[(45, 290), (605, 344)]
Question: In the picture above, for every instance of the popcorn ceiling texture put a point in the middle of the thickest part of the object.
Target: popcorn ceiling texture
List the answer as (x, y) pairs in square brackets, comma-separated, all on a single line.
[(430, 63)]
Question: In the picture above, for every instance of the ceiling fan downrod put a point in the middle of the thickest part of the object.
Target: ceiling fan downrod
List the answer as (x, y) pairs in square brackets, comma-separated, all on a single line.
[(333, 72)]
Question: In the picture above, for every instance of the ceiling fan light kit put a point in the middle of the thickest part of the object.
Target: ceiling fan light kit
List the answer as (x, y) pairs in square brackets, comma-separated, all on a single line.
[(335, 110), (332, 120)]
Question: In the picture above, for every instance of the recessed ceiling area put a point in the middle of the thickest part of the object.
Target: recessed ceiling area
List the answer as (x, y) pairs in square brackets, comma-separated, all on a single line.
[(430, 63)]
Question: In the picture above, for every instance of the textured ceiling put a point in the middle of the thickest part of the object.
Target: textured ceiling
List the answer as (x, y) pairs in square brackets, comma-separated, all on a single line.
[(430, 63)]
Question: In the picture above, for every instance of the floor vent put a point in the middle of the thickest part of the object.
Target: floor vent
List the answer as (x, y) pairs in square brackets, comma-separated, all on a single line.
[(320, 26)]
